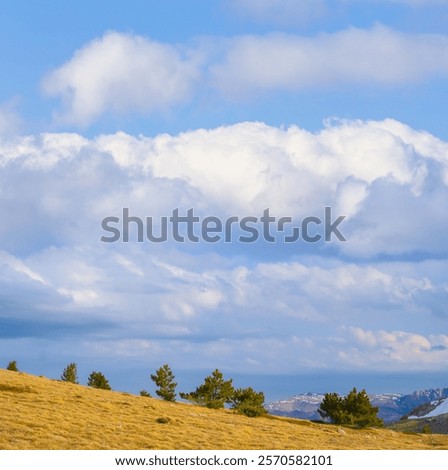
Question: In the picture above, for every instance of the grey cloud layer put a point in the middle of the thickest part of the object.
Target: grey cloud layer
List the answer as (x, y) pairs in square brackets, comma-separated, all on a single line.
[(121, 73)]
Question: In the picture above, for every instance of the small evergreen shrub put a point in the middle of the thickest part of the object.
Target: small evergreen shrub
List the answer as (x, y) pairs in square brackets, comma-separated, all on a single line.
[(98, 380), (70, 374), (12, 366)]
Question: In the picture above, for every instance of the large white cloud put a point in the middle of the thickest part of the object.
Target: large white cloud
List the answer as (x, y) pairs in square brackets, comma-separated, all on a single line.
[(390, 181), (120, 73), (244, 307)]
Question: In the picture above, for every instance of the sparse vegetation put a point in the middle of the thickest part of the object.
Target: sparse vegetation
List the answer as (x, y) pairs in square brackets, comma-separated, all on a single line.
[(98, 380), (355, 409), (70, 373), (12, 366), (145, 393), (163, 420), (426, 429), (14, 388), (164, 379)]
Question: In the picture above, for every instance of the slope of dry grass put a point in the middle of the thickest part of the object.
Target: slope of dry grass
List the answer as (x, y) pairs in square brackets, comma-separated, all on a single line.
[(39, 413)]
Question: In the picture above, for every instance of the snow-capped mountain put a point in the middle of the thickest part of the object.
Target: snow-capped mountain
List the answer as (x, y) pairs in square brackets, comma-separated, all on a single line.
[(428, 417), (392, 406), (300, 406), (440, 409), (431, 410)]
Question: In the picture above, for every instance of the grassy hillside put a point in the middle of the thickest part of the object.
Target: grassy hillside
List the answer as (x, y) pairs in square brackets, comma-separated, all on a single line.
[(39, 413)]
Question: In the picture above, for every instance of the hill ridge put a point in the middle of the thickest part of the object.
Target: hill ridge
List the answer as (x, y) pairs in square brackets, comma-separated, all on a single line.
[(42, 413)]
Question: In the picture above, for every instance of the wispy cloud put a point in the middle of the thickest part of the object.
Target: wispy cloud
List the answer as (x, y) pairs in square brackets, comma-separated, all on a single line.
[(280, 12), (10, 120), (379, 56)]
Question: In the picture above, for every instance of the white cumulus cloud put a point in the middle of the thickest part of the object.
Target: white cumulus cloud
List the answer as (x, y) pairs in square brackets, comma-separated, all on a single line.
[(389, 180), (400, 348), (120, 73), (256, 303)]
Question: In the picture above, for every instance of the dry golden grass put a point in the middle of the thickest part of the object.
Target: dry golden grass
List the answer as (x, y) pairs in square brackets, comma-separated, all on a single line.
[(39, 413)]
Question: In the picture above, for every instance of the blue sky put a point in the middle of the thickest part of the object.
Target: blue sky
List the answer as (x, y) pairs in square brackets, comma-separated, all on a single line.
[(227, 107)]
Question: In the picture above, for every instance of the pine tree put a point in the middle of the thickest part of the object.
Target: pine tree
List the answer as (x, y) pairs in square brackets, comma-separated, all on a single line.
[(331, 408), (249, 402), (12, 366), (359, 410), (70, 373), (145, 393), (355, 409), (164, 379), (98, 380), (215, 392)]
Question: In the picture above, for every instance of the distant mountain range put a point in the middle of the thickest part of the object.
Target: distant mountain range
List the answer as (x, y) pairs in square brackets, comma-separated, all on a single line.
[(392, 406)]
